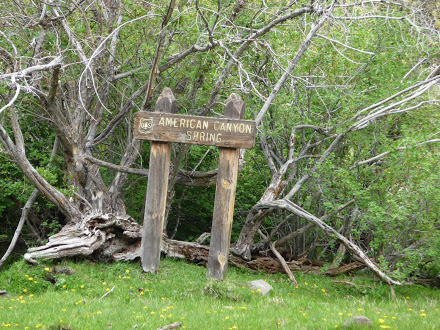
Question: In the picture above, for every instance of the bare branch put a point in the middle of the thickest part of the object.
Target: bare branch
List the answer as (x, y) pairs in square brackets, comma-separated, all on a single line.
[(292, 207)]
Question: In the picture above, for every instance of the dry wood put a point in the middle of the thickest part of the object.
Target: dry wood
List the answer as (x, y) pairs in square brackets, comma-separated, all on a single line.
[(280, 258), (353, 248), (345, 268), (155, 202), (107, 293), (224, 198)]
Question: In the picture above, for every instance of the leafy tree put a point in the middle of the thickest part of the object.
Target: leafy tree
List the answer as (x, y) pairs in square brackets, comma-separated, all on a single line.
[(344, 95)]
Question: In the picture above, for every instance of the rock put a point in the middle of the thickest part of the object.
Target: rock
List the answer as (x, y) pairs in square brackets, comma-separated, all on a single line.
[(4, 294), (261, 286), (63, 270), (358, 321)]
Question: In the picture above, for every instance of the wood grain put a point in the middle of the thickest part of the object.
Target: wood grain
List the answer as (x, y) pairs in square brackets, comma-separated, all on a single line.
[(220, 132), (155, 201), (224, 199)]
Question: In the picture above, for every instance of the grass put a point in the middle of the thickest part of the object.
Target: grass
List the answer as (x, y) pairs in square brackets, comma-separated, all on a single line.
[(181, 293)]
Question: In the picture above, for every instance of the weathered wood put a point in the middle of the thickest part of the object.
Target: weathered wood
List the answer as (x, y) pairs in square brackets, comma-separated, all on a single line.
[(353, 248), (155, 201), (224, 198), (280, 258), (345, 268), (220, 132)]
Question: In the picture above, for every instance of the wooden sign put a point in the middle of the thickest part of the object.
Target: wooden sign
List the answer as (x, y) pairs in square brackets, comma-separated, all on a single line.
[(163, 127), (220, 132)]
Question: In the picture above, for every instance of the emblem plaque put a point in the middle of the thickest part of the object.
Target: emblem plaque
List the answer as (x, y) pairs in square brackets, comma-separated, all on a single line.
[(146, 125)]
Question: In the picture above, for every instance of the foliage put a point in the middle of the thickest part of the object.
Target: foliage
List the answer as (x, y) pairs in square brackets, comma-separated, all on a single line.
[(360, 56)]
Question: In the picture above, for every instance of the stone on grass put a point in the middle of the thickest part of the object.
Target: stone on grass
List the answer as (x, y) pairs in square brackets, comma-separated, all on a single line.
[(261, 286), (4, 294), (358, 320)]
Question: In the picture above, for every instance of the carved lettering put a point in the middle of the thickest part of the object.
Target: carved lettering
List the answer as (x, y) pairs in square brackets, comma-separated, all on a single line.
[(195, 130)]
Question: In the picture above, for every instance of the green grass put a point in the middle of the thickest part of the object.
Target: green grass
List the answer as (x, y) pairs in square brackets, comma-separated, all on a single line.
[(181, 293)]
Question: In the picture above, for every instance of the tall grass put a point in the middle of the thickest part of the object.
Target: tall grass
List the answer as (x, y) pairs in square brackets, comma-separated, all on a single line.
[(43, 298)]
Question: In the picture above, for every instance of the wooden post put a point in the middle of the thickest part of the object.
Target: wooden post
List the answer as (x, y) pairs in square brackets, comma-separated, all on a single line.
[(155, 201), (224, 198)]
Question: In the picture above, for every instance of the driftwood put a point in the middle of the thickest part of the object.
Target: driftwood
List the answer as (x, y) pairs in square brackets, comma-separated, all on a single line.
[(111, 237), (286, 204)]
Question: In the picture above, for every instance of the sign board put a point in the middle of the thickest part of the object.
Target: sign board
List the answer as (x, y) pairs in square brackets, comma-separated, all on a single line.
[(163, 127), (220, 132)]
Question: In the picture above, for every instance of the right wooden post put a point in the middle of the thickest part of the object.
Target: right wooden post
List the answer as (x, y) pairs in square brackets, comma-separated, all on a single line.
[(224, 198)]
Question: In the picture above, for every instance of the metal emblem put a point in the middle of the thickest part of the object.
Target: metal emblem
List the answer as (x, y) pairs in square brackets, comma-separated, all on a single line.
[(146, 125)]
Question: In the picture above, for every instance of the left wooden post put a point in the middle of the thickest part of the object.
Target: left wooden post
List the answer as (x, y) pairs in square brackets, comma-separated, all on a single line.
[(155, 201)]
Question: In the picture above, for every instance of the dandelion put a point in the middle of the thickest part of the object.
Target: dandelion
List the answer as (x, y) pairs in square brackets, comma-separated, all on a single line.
[(152, 313), (30, 278), (407, 297), (142, 293), (423, 315), (381, 320), (64, 310), (306, 283), (47, 269), (127, 271), (25, 290), (410, 309), (360, 309), (383, 326), (336, 325), (99, 312), (227, 318), (323, 290), (82, 286), (340, 314), (162, 316), (104, 283)]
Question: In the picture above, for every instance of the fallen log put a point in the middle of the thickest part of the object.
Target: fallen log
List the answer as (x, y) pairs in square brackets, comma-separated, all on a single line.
[(345, 268)]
